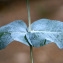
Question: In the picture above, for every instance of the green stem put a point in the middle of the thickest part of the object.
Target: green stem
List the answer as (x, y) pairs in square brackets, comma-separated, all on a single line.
[(29, 18), (29, 23), (31, 54), (31, 50)]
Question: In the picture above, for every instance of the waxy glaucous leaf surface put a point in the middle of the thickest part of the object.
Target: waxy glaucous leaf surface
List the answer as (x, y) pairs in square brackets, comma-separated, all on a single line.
[(43, 31)]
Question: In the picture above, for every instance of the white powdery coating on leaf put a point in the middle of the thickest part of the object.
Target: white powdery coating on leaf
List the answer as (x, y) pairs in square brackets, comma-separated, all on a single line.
[(49, 30)]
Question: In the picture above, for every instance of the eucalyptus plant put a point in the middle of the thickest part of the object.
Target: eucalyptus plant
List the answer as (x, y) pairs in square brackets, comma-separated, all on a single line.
[(39, 33)]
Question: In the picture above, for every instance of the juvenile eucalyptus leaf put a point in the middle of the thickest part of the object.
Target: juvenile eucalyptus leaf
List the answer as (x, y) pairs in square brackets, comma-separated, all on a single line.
[(14, 31), (49, 30), (43, 31)]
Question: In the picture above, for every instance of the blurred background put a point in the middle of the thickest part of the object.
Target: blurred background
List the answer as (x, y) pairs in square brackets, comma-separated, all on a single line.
[(15, 52)]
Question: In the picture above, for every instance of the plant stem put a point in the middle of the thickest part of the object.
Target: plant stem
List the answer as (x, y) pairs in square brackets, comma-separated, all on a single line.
[(29, 23), (31, 54), (29, 18), (31, 50)]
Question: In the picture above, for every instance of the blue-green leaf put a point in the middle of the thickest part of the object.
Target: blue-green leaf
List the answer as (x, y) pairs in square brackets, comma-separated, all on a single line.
[(45, 31), (14, 31)]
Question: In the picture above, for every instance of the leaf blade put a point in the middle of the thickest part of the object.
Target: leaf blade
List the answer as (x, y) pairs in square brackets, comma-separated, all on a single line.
[(49, 30), (15, 30)]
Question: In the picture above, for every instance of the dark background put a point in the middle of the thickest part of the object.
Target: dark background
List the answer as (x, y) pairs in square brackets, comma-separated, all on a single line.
[(15, 52)]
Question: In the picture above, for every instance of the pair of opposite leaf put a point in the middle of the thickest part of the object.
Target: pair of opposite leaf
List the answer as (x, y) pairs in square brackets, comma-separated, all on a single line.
[(43, 31)]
